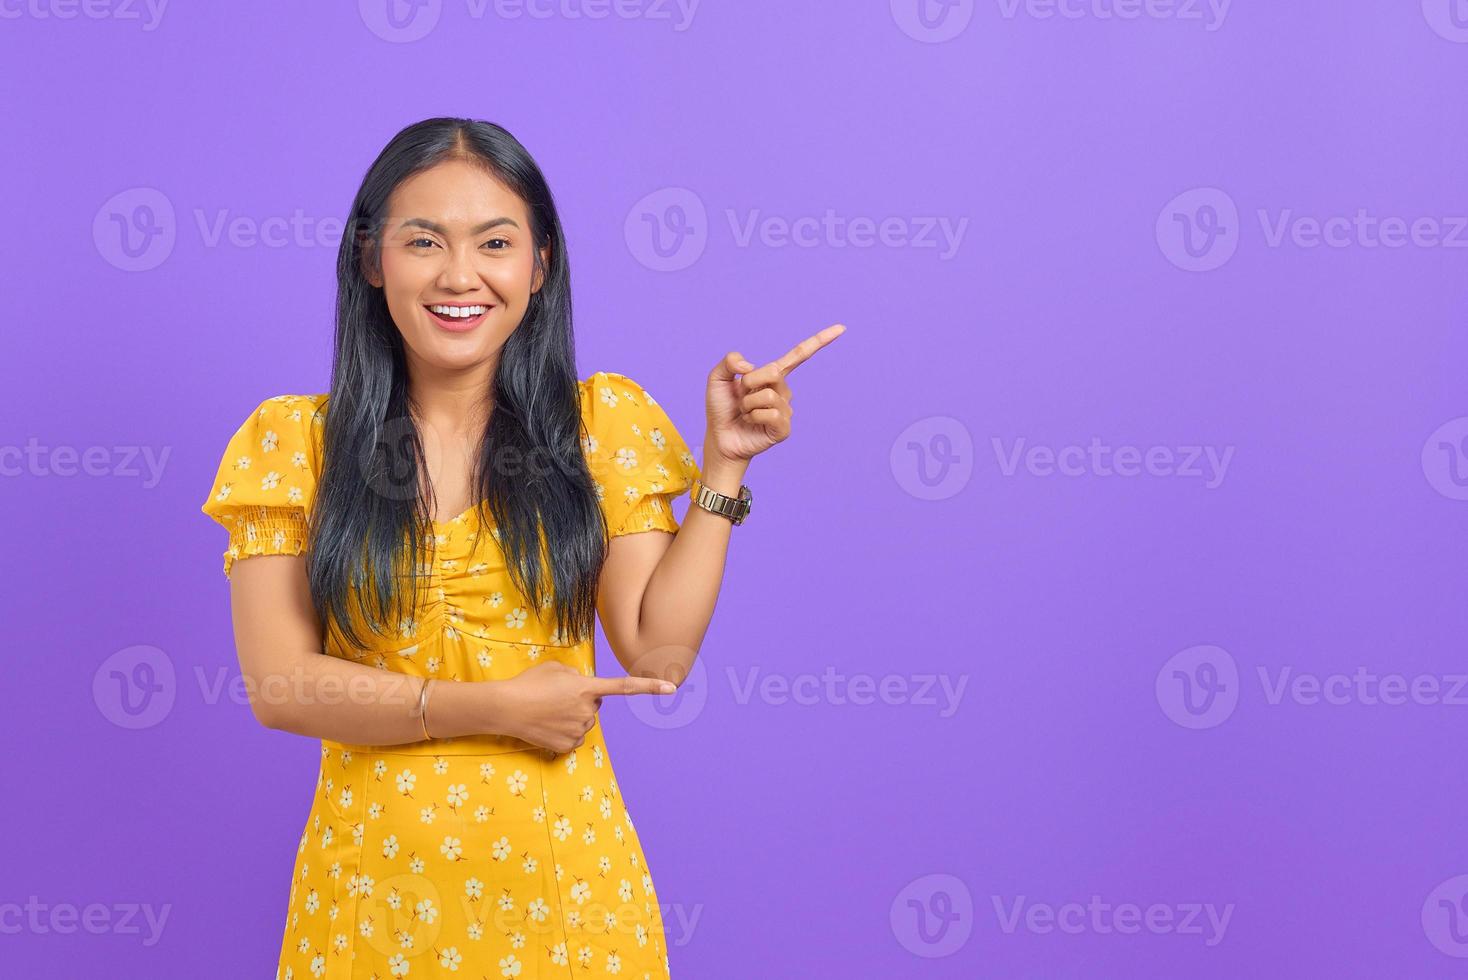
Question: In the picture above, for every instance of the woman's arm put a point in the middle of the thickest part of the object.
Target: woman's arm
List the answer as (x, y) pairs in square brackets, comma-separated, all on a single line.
[(295, 687), (657, 591)]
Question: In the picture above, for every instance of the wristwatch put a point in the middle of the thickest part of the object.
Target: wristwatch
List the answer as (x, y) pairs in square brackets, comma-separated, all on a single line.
[(734, 508)]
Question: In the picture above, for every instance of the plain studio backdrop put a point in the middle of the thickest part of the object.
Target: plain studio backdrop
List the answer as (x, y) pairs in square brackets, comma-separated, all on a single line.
[(1103, 617)]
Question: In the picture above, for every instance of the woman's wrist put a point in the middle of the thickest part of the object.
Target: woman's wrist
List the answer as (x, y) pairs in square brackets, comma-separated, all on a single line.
[(723, 475), (459, 708)]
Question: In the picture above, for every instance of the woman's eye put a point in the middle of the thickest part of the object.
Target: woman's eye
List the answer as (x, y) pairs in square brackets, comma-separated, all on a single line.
[(500, 240), (415, 241)]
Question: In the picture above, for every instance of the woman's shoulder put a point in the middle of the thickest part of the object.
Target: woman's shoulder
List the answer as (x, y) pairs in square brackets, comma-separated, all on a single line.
[(273, 455), (611, 390)]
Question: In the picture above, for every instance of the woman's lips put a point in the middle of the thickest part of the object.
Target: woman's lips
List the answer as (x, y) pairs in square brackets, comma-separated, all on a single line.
[(460, 324)]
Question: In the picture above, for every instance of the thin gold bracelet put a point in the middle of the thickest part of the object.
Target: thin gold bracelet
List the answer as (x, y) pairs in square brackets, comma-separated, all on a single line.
[(423, 707)]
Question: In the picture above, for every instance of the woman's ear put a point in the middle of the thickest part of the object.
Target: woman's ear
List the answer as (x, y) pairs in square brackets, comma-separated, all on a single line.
[(371, 268), (538, 279)]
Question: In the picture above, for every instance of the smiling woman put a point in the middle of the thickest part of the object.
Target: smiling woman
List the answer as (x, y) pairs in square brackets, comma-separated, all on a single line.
[(446, 525), (438, 525)]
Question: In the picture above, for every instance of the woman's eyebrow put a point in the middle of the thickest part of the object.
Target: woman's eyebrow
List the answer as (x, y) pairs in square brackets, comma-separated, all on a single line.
[(437, 228)]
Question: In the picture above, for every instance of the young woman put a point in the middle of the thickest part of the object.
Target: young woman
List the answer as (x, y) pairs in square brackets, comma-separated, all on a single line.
[(444, 525)]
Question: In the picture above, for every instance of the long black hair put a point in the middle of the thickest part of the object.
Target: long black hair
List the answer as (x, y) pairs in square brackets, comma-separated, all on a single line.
[(371, 514)]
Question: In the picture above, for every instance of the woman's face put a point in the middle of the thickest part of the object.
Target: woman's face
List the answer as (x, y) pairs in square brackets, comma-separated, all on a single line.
[(456, 237)]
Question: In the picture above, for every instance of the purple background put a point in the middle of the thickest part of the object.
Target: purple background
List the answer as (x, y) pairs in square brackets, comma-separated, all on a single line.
[(1074, 764)]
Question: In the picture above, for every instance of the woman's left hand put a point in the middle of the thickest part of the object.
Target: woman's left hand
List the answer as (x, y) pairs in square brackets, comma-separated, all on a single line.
[(749, 407)]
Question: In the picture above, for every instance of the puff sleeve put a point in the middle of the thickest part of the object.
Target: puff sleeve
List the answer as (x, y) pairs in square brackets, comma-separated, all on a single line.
[(639, 461), (266, 481)]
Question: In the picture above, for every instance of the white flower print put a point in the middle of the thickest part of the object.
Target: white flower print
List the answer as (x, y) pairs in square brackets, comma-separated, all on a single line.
[(413, 817)]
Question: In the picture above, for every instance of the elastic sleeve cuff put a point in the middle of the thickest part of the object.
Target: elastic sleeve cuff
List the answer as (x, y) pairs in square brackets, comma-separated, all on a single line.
[(652, 512), (265, 531)]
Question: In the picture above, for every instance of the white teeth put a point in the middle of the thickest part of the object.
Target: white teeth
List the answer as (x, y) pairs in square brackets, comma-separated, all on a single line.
[(463, 312)]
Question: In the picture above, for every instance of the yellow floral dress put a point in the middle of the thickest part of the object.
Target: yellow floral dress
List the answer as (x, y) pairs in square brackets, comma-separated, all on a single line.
[(479, 856)]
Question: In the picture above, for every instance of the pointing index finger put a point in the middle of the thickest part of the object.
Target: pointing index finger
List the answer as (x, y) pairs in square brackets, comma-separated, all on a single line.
[(802, 351)]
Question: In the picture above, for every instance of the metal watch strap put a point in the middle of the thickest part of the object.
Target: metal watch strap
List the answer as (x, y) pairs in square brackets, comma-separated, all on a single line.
[(734, 508)]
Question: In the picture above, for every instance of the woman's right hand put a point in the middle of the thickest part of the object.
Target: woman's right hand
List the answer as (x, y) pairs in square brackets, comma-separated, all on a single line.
[(553, 705)]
